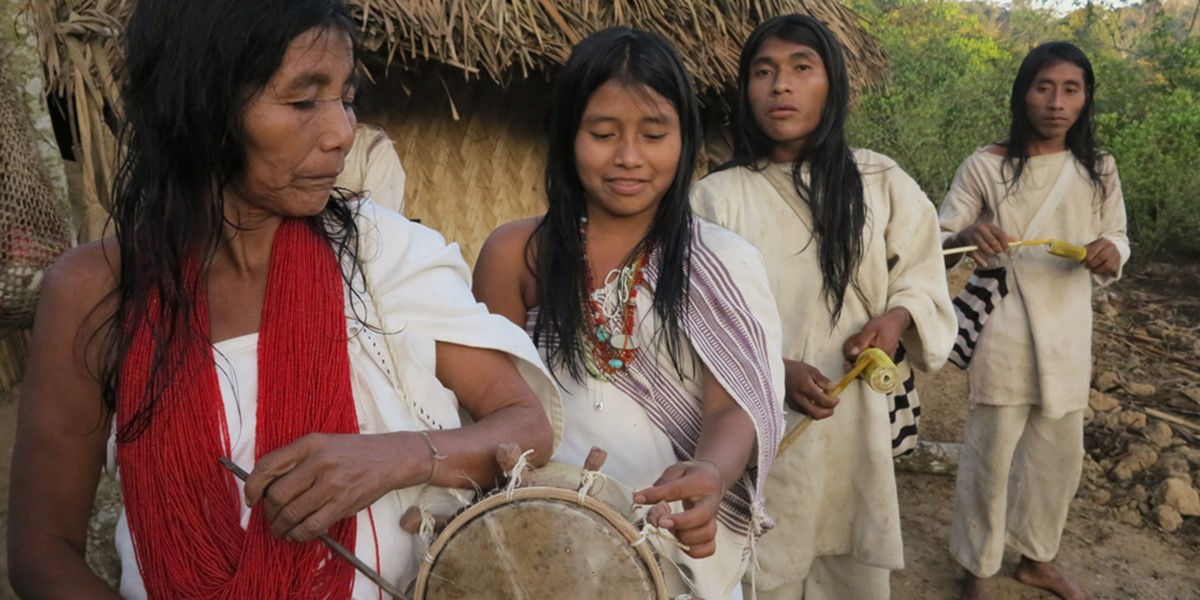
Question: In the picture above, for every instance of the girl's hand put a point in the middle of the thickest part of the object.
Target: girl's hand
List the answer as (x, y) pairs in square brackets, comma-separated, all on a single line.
[(697, 483)]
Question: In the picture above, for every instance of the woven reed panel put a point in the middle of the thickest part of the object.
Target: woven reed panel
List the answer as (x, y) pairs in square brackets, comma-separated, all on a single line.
[(465, 177)]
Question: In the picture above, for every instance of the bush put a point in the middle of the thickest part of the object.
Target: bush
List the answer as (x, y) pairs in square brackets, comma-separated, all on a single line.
[(952, 68), (1158, 155)]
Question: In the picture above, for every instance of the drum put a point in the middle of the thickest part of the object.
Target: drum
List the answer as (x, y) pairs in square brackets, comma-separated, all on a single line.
[(544, 539)]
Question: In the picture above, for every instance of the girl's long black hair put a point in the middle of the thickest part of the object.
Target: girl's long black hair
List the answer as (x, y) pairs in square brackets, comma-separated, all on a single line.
[(1081, 137), (835, 192), (191, 69), (636, 59)]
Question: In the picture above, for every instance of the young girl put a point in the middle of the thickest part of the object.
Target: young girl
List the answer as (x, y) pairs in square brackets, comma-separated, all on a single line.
[(1029, 374), (853, 256), (660, 329)]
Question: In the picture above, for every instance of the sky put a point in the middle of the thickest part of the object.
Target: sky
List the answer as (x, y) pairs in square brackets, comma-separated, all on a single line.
[(1065, 6)]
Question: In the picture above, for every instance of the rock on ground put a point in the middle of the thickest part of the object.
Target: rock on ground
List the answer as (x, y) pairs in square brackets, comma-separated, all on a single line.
[(1101, 402), (1141, 390), (1181, 496), (1139, 458), (1107, 380), (1159, 434), (1167, 518)]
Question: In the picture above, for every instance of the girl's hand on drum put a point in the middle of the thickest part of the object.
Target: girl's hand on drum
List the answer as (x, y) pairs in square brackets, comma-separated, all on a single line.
[(319, 479), (698, 485)]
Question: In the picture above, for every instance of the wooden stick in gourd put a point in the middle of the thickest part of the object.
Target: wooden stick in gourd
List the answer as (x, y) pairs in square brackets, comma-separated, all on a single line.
[(875, 366), (1067, 250)]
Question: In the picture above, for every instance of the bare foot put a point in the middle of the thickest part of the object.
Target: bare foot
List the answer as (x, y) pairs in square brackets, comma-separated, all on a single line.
[(976, 588), (1047, 576)]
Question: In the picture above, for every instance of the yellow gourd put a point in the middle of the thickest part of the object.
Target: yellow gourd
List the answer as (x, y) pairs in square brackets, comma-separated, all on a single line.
[(1055, 247), (874, 366)]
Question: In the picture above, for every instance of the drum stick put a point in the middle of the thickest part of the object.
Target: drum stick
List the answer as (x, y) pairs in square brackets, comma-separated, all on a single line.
[(871, 361), (337, 548)]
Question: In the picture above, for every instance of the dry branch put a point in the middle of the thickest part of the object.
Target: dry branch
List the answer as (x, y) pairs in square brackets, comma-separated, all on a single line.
[(1172, 419)]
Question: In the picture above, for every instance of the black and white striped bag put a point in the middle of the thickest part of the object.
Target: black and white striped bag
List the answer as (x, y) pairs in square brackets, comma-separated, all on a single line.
[(973, 306), (904, 408)]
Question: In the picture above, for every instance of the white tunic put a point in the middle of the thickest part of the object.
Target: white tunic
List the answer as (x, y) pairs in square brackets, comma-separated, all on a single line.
[(599, 413), (373, 167), (414, 290), (614, 415), (1036, 346), (237, 371), (834, 491)]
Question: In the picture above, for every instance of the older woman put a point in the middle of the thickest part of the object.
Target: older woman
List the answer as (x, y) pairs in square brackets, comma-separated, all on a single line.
[(244, 310)]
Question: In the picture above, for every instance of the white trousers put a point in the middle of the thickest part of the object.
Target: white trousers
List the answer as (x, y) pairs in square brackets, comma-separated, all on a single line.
[(1017, 475), (837, 577)]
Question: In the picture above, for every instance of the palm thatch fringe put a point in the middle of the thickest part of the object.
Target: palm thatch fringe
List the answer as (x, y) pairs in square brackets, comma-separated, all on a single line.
[(503, 40), (499, 37), (79, 42)]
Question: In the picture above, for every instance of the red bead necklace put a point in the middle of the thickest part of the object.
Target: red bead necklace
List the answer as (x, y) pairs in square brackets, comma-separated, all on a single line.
[(610, 349)]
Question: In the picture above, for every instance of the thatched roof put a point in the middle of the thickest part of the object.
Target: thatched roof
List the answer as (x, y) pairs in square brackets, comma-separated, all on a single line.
[(515, 37), (496, 39)]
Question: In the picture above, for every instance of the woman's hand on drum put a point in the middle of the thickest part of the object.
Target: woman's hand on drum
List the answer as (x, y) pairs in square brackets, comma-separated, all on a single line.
[(319, 479), (697, 483)]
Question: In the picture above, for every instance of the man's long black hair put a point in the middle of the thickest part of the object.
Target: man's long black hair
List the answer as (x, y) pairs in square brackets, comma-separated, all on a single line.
[(835, 192), (1081, 137)]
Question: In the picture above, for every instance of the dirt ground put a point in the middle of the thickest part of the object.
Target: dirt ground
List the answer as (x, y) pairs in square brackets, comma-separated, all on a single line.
[(1146, 330)]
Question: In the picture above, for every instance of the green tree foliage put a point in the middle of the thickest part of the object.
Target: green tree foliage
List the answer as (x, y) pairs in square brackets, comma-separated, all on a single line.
[(952, 70)]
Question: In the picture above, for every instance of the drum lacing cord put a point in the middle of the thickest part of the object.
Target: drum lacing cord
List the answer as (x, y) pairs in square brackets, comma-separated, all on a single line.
[(649, 531), (514, 475), (426, 532), (586, 481), (665, 535), (427, 504)]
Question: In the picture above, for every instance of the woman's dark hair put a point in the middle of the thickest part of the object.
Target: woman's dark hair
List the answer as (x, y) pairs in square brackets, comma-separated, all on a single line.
[(835, 192), (1081, 140), (191, 69), (643, 62)]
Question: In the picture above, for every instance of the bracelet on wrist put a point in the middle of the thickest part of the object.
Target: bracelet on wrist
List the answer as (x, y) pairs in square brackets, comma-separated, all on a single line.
[(435, 457)]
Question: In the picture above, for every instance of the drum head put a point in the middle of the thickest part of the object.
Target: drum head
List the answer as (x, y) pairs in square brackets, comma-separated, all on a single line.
[(540, 543)]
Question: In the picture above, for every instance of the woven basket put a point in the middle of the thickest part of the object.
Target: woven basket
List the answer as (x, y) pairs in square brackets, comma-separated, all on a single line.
[(34, 224)]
